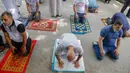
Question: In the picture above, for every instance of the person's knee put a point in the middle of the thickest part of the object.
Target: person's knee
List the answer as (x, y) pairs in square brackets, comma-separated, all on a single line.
[(95, 44), (23, 50), (30, 17), (83, 20), (115, 57), (100, 58), (38, 17), (75, 20)]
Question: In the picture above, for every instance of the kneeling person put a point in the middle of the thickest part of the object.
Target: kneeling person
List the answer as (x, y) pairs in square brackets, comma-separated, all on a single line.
[(80, 8), (15, 34), (33, 9), (70, 50), (109, 41), (124, 21)]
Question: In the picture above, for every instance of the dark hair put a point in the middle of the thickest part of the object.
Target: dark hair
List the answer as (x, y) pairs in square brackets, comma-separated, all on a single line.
[(118, 22), (6, 13)]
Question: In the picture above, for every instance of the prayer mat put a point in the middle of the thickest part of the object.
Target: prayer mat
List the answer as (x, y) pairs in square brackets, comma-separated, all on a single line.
[(43, 25), (14, 63), (104, 20), (79, 26), (68, 66)]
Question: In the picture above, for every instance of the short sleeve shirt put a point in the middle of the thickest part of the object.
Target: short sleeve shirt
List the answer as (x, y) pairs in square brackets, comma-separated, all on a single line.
[(80, 5), (110, 36), (14, 30), (32, 4)]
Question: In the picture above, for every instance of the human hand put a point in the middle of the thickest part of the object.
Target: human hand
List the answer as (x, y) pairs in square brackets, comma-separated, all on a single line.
[(12, 49), (116, 51), (84, 16), (102, 52), (76, 15), (61, 63), (23, 49), (76, 64), (36, 15)]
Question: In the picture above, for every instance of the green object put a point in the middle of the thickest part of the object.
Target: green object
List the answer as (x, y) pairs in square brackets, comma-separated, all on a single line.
[(80, 31)]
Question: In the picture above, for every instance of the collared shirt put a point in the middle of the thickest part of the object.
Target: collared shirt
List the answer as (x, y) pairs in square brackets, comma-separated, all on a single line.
[(68, 40), (110, 36), (14, 30), (80, 5), (32, 4)]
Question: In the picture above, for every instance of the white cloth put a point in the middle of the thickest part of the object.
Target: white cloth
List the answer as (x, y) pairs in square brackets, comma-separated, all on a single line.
[(80, 5), (66, 40)]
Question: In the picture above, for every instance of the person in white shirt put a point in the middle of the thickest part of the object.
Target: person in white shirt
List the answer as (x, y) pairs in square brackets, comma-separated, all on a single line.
[(70, 48), (80, 8), (15, 34)]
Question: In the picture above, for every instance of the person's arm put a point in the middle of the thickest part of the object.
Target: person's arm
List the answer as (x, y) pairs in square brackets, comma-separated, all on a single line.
[(58, 58), (57, 54), (37, 6), (7, 38), (86, 7), (24, 39), (118, 43), (76, 62), (79, 57), (80, 51), (103, 34), (100, 42), (75, 11), (74, 8), (28, 7), (116, 51), (22, 31)]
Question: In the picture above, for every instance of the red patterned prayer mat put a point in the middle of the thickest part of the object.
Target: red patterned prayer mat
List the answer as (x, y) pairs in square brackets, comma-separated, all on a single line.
[(14, 63), (43, 24)]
